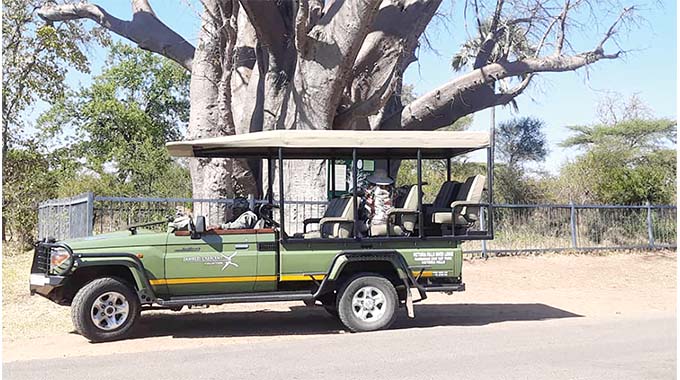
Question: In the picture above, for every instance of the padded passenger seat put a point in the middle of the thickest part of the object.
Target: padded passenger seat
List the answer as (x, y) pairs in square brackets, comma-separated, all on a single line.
[(337, 220), (471, 192)]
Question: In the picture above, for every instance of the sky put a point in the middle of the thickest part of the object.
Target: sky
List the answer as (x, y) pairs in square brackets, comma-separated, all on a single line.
[(559, 99)]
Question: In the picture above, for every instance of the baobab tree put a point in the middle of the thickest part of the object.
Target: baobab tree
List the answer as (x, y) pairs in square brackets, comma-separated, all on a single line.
[(334, 64)]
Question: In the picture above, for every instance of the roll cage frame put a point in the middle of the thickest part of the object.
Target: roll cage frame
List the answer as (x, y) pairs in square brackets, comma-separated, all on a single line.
[(485, 219)]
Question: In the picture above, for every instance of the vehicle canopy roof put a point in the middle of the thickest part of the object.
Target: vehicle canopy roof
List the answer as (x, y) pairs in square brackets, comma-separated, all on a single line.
[(305, 144)]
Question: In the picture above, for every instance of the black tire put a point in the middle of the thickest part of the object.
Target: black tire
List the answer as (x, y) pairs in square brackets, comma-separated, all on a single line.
[(82, 307), (384, 314)]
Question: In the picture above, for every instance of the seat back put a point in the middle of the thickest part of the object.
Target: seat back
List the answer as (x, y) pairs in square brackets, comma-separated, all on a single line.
[(408, 222), (343, 208), (446, 195), (335, 208), (471, 191)]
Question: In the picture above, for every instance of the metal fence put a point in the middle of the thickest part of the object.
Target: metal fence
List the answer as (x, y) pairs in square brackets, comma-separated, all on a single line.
[(518, 228), (550, 227)]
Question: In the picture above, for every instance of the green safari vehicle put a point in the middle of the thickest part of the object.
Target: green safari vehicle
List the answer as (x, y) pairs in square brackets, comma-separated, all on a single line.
[(361, 275)]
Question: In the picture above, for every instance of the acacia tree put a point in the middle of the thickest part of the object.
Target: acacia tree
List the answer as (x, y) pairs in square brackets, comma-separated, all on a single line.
[(338, 64)]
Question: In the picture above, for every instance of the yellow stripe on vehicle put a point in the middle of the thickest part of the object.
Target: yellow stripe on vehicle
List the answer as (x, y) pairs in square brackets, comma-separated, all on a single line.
[(210, 280), (284, 277), (301, 277)]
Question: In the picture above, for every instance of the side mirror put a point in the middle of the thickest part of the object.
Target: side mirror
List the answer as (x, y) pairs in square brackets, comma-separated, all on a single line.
[(199, 227)]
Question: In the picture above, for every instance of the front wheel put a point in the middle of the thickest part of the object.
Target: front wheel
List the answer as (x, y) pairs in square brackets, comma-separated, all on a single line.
[(368, 303), (105, 309)]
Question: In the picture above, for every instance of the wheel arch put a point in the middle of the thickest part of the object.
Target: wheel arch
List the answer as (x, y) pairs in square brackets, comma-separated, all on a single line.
[(347, 264), (92, 266)]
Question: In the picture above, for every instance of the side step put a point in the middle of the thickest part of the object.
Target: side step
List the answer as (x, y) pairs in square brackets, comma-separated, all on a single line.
[(218, 299), (448, 288)]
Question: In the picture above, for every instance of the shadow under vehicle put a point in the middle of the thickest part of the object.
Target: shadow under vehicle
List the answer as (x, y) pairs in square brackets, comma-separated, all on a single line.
[(361, 274)]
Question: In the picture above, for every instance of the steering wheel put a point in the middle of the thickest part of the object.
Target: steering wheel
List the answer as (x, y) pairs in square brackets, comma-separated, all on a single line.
[(264, 212)]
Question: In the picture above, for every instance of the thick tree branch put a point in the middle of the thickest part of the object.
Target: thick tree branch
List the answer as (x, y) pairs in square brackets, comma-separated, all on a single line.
[(272, 21), (301, 24), (324, 68), (147, 31), (142, 6), (464, 94), (386, 52)]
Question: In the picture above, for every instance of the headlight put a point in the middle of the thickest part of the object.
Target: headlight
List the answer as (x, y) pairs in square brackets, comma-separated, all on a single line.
[(58, 256)]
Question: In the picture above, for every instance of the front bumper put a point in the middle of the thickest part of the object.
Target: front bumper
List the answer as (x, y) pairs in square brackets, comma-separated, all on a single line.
[(43, 284)]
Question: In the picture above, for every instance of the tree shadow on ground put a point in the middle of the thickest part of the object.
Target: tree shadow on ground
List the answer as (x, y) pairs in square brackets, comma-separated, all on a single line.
[(301, 320)]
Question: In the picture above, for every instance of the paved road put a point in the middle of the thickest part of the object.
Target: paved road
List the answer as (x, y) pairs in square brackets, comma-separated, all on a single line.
[(553, 345)]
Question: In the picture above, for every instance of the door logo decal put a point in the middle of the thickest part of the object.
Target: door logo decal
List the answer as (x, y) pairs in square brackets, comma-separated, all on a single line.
[(223, 259), (227, 260)]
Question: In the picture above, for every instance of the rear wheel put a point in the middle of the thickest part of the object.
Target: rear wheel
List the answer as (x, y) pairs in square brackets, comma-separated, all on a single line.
[(367, 303), (105, 309)]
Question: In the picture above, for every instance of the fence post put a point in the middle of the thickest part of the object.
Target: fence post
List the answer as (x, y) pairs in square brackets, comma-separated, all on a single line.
[(89, 214), (573, 225), (650, 229)]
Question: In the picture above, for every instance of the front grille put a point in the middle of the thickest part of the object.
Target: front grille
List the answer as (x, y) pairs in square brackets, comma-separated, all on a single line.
[(41, 259)]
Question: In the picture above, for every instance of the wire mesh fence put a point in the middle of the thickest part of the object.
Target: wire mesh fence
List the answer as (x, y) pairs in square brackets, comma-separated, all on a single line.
[(551, 227), (518, 228)]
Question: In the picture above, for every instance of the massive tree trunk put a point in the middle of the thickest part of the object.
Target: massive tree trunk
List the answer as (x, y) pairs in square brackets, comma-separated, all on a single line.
[(334, 64)]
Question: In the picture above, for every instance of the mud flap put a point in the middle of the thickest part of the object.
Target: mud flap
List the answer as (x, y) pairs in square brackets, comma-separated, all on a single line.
[(409, 304)]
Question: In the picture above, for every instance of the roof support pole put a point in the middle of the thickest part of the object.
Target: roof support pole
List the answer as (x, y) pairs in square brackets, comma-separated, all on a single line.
[(448, 169), (270, 180), (355, 225), (332, 178), (419, 173), (281, 197), (489, 177)]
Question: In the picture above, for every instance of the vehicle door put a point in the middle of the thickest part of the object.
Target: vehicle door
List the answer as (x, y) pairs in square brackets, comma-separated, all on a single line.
[(216, 262)]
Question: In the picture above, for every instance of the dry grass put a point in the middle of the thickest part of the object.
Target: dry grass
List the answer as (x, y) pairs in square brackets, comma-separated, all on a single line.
[(25, 316)]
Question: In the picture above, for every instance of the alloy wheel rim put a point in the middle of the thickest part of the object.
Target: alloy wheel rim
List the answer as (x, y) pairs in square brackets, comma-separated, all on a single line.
[(369, 304), (110, 311)]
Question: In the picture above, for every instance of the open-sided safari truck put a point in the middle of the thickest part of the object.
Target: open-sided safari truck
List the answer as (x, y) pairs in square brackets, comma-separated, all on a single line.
[(363, 276)]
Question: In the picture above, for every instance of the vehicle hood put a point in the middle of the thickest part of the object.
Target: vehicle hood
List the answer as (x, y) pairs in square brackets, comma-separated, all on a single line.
[(118, 239)]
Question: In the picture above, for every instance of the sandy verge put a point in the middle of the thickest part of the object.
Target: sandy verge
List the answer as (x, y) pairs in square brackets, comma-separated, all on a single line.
[(499, 290)]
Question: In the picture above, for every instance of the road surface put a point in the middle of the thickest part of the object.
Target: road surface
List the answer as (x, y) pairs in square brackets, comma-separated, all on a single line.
[(526, 341)]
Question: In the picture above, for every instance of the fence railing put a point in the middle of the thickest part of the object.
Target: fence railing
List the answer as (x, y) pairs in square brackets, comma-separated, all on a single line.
[(518, 228)]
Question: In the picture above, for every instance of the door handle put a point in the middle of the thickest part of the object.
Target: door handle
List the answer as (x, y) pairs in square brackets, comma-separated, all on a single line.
[(242, 246)]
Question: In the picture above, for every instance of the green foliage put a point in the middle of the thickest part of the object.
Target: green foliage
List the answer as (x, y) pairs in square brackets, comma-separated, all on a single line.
[(521, 140), (27, 179), (36, 58), (513, 185), (115, 133), (121, 124), (625, 135), (629, 159), (608, 177), (434, 174), (518, 142)]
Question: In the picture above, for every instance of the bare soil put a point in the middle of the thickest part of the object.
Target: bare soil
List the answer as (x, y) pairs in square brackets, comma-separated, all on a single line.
[(499, 290)]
